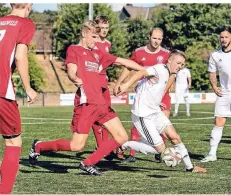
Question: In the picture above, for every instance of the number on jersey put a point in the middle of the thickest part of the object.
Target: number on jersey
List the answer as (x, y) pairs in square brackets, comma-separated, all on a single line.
[(2, 34)]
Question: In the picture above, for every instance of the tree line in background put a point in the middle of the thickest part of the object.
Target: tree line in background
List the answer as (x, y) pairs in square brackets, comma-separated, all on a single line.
[(193, 28)]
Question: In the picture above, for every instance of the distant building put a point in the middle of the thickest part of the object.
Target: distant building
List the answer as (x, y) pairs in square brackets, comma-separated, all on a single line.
[(132, 12)]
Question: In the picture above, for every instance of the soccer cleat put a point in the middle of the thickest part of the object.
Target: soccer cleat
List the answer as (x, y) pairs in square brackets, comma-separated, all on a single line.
[(110, 156), (33, 156), (90, 170), (158, 158), (120, 153), (196, 169), (175, 114), (209, 158), (129, 159), (188, 114)]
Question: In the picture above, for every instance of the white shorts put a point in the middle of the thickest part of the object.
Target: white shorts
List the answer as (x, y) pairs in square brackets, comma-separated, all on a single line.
[(183, 92), (223, 106), (150, 127)]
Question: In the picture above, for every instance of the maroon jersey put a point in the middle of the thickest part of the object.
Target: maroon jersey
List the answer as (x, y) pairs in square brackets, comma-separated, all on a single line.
[(13, 30), (104, 47), (146, 58), (89, 62)]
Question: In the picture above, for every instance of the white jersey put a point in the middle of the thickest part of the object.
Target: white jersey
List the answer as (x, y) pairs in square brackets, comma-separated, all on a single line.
[(149, 94), (220, 61), (182, 78)]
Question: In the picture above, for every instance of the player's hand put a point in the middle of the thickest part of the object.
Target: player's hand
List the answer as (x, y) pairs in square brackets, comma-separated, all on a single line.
[(189, 86), (116, 89), (163, 106), (217, 91), (197, 169), (78, 82), (32, 95), (122, 89)]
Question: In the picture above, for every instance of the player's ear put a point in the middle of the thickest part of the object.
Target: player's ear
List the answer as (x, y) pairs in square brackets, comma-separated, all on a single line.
[(83, 33)]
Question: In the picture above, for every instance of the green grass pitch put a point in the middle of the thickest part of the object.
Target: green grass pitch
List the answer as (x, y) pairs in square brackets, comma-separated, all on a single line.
[(59, 173)]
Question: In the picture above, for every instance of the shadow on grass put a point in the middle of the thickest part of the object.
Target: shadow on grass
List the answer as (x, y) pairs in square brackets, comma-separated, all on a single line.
[(158, 176), (222, 141)]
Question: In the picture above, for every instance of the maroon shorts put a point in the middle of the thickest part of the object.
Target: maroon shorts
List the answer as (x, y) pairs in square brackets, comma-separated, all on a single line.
[(86, 115), (10, 122), (166, 100)]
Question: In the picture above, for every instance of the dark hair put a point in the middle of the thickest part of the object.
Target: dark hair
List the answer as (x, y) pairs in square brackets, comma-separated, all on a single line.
[(155, 28), (225, 28), (101, 19), (177, 52)]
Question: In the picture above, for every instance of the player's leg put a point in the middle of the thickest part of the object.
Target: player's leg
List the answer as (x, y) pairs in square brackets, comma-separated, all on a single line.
[(97, 130), (10, 129), (119, 136), (82, 120), (178, 97), (134, 136), (180, 149), (186, 99), (222, 110)]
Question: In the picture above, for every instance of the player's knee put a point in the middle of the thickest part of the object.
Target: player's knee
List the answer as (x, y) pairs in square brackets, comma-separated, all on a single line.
[(17, 141), (220, 122), (175, 139), (121, 137), (77, 147)]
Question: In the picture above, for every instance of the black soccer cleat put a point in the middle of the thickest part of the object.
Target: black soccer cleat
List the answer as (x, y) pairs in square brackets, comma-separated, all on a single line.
[(90, 170), (110, 156), (158, 158), (129, 159), (33, 156)]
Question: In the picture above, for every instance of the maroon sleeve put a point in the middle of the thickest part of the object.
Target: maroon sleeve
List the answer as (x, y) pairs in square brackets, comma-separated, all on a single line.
[(165, 58), (70, 56), (26, 32), (134, 57), (108, 59)]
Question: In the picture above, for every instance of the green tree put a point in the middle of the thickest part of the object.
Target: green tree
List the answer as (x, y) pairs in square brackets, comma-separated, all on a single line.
[(185, 24), (197, 61), (36, 74), (4, 10), (138, 31), (68, 24)]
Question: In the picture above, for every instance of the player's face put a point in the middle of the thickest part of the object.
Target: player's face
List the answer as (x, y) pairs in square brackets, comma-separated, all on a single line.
[(156, 39), (91, 39), (176, 63), (225, 39), (104, 29), (28, 9)]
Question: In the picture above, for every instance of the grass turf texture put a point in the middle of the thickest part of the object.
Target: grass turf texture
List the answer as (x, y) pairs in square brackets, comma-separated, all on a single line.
[(58, 173)]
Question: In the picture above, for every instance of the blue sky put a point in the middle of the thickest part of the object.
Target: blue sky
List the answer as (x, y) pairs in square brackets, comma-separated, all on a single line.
[(40, 7)]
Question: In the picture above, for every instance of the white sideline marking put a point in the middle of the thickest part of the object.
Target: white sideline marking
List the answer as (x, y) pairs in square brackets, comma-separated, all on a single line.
[(54, 119)]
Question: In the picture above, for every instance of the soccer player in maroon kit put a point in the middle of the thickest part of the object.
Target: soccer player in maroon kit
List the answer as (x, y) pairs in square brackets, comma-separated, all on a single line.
[(147, 56), (16, 32), (101, 134), (83, 66)]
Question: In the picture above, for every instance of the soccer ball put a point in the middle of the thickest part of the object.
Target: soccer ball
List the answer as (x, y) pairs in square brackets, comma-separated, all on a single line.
[(170, 158)]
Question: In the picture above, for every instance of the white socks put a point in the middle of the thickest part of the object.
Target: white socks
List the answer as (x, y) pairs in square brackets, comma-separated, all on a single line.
[(183, 152), (186, 99), (139, 147), (215, 139)]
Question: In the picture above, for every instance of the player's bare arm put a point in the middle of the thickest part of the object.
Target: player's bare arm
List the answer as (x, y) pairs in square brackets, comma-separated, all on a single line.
[(21, 62), (72, 74), (125, 73), (189, 82), (128, 64), (171, 80), (213, 82), (136, 77)]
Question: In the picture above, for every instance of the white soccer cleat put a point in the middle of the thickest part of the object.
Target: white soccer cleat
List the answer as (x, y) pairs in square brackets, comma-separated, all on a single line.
[(209, 158), (174, 114)]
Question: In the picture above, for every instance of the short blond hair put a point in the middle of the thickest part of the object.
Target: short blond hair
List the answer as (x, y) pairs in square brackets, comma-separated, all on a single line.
[(177, 52), (19, 5), (91, 25)]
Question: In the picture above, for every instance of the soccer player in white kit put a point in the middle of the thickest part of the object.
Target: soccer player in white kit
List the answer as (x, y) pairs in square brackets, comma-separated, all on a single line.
[(220, 61), (147, 116), (183, 84)]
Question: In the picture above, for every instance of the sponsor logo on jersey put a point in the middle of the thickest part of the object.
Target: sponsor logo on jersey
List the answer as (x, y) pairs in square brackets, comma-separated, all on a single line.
[(160, 59), (91, 66)]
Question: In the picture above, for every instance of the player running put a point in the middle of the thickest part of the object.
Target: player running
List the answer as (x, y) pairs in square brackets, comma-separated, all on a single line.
[(83, 66), (147, 116), (147, 56), (16, 32)]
